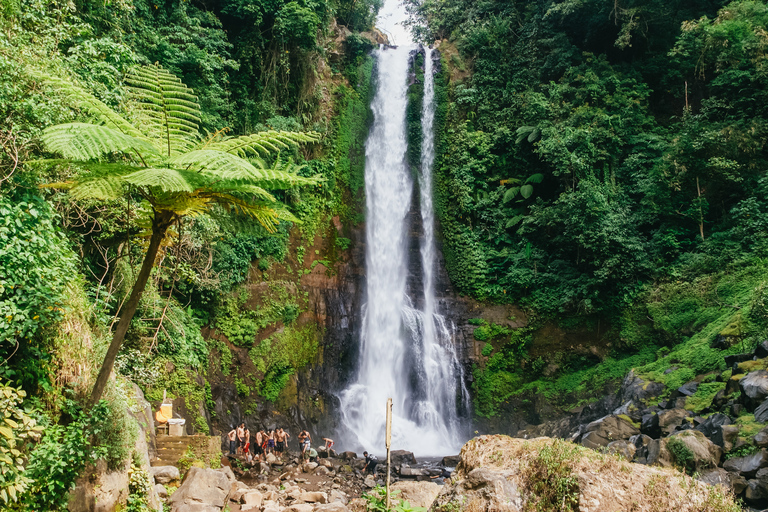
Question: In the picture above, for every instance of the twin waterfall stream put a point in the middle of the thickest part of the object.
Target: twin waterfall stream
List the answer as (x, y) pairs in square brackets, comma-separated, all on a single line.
[(406, 352)]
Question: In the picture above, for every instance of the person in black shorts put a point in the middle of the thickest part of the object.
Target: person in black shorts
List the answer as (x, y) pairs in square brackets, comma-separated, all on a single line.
[(370, 463), (280, 442)]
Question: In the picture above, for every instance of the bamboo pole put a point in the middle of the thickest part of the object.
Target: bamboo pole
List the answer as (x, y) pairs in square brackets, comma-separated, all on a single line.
[(389, 443)]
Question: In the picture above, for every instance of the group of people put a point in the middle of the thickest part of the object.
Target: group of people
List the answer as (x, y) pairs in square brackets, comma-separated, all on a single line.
[(274, 441), (264, 442)]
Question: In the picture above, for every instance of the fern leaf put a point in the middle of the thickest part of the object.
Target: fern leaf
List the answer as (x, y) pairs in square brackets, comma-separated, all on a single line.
[(263, 143), (245, 189), (265, 215), (228, 166), (167, 109), (88, 103), (82, 141), (166, 180)]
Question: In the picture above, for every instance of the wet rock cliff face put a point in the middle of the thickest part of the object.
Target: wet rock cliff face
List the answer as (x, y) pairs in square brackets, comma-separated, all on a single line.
[(332, 293)]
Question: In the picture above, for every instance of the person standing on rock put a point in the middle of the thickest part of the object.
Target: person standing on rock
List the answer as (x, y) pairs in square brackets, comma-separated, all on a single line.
[(257, 445), (247, 447), (304, 441), (232, 436), (241, 438), (271, 442), (370, 463)]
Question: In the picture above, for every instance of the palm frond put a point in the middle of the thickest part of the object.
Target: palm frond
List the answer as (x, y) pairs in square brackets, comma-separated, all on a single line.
[(83, 141), (263, 143), (167, 109)]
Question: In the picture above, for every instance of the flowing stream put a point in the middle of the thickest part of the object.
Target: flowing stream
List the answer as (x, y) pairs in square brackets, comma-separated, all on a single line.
[(406, 352)]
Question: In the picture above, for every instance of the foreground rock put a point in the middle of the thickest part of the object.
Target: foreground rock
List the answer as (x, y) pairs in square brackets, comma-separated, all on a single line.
[(203, 490), (418, 494), (499, 473)]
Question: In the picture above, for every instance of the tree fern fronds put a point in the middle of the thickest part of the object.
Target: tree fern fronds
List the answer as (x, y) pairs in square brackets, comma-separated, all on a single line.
[(88, 103), (263, 214), (284, 214), (263, 143), (217, 163), (167, 108), (184, 204), (166, 180), (245, 189), (83, 141)]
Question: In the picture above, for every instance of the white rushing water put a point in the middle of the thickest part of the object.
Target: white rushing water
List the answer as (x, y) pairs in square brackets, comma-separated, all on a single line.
[(405, 353)]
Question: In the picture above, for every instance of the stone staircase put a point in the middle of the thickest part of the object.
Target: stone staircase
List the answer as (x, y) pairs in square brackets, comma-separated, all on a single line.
[(171, 448)]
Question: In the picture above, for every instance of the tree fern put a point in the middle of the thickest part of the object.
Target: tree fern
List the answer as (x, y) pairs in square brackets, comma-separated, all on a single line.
[(166, 109), (171, 166)]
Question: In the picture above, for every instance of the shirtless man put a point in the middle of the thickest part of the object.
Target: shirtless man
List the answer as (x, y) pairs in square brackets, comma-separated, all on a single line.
[(247, 447), (241, 438), (328, 444), (279, 442), (232, 436), (257, 447)]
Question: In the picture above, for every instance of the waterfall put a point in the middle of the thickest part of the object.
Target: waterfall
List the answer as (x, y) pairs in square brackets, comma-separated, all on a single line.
[(406, 352)]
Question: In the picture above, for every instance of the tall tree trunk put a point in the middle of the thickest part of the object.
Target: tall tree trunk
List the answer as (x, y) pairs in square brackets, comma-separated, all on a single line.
[(160, 224)]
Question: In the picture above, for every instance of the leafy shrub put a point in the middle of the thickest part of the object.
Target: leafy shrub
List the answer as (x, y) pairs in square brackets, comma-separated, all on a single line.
[(376, 501), (18, 429), (488, 331), (550, 480), (37, 263), (139, 486), (682, 456), (62, 455)]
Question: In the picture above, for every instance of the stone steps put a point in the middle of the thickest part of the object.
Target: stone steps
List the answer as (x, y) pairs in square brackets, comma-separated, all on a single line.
[(170, 449)]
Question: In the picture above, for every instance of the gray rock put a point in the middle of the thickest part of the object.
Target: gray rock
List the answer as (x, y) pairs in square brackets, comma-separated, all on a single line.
[(623, 448), (208, 487), (688, 389), (450, 461), (650, 425), (418, 494), (716, 476), (761, 350), (761, 413), (165, 474), (669, 420), (738, 483), (348, 455), (641, 442), (761, 438), (398, 457), (726, 437), (409, 471), (711, 426), (754, 386), (749, 465), (161, 491), (602, 432), (369, 482)]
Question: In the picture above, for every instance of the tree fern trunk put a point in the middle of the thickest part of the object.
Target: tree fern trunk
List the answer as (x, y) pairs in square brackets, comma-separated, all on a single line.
[(160, 225)]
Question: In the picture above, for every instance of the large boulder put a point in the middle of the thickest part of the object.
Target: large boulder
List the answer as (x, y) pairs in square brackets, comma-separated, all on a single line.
[(602, 432), (623, 448), (761, 412), (501, 474), (671, 419), (761, 438), (165, 474), (749, 465), (202, 490), (706, 454), (715, 476), (418, 494), (711, 426), (754, 388), (728, 435), (398, 457), (450, 461)]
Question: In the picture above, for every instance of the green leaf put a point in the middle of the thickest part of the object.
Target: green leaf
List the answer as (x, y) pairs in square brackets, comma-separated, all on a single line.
[(526, 191)]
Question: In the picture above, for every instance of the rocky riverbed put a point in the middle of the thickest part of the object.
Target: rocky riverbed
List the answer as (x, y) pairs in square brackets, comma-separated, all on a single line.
[(334, 483)]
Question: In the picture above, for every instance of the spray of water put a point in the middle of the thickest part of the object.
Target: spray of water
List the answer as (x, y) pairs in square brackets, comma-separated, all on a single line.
[(405, 353)]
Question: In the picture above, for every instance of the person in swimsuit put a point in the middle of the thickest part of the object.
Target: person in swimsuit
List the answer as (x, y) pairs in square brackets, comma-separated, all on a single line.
[(271, 442), (264, 442), (257, 446), (240, 438), (328, 444), (232, 436), (246, 448), (279, 442)]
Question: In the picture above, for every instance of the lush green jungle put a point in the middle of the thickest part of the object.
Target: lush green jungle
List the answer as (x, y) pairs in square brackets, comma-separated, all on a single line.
[(600, 164)]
